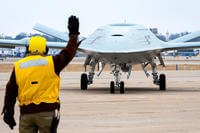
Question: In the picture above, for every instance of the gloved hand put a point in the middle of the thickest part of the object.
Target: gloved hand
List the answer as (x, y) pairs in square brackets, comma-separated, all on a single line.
[(73, 25), (9, 119)]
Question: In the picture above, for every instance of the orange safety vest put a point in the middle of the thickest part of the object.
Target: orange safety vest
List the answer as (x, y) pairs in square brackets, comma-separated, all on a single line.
[(37, 81)]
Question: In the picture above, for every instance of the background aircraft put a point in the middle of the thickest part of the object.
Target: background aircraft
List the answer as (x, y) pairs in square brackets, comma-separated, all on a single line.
[(121, 46)]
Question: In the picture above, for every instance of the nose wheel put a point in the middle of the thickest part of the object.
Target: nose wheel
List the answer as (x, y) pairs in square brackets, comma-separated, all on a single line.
[(122, 90), (120, 86)]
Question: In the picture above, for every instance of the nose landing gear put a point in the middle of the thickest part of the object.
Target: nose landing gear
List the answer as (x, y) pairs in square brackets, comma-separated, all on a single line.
[(117, 84), (120, 86)]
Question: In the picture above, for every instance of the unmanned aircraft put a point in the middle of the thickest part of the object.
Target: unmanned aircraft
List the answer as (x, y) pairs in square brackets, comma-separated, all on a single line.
[(119, 45)]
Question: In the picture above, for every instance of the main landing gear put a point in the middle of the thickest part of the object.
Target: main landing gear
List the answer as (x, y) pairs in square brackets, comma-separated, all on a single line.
[(88, 79), (84, 82), (161, 81)]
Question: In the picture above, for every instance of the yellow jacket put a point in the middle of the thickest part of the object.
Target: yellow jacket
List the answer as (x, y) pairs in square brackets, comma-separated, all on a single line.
[(37, 81)]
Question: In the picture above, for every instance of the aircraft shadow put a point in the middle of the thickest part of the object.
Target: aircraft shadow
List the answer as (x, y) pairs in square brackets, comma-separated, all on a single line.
[(132, 90)]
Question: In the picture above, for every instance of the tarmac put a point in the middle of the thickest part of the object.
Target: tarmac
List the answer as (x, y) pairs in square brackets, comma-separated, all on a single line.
[(142, 109)]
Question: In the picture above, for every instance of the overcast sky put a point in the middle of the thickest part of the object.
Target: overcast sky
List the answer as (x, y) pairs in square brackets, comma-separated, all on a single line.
[(172, 15)]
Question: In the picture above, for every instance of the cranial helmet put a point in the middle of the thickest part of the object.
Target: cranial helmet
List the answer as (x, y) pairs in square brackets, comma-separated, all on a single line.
[(37, 45)]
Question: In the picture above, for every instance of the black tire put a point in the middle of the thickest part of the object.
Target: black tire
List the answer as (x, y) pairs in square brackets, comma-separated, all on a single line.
[(122, 90), (84, 81), (112, 87), (162, 82)]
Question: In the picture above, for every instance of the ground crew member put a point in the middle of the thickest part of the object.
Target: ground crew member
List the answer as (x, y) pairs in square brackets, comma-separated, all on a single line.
[(35, 83)]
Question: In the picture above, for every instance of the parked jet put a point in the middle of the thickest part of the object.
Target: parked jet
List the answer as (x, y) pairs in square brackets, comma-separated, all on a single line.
[(121, 46)]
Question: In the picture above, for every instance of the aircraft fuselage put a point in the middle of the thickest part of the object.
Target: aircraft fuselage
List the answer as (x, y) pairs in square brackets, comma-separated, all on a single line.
[(123, 43)]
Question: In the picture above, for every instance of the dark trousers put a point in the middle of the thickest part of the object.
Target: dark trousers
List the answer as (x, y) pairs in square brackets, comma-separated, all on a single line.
[(34, 122)]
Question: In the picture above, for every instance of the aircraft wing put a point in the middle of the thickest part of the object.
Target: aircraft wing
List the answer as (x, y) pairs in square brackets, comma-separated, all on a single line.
[(187, 38), (52, 32), (181, 45), (24, 42), (41, 28), (13, 43)]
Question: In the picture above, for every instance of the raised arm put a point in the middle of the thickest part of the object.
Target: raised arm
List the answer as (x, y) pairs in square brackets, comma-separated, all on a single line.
[(67, 54)]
